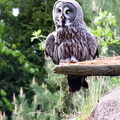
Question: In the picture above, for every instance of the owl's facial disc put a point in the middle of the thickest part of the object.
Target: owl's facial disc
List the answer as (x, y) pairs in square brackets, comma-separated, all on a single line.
[(65, 13)]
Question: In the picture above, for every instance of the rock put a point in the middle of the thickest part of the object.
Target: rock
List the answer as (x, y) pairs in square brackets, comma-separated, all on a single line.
[(108, 107)]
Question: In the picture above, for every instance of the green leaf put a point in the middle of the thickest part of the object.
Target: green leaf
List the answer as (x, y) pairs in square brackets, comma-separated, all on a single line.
[(36, 33), (3, 93), (14, 46), (42, 45), (98, 20)]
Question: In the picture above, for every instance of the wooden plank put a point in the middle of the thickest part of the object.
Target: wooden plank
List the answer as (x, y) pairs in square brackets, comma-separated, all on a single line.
[(107, 66), (89, 70)]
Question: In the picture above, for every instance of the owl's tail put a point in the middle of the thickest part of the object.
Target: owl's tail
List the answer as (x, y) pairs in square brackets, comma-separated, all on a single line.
[(75, 82)]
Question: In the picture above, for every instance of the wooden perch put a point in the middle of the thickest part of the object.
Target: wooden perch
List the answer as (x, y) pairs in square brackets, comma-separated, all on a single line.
[(99, 67)]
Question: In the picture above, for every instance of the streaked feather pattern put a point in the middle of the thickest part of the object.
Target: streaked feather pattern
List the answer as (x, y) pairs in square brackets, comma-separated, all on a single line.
[(71, 43)]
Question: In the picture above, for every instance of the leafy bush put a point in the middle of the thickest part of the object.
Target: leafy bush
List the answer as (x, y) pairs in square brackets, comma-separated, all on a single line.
[(105, 26)]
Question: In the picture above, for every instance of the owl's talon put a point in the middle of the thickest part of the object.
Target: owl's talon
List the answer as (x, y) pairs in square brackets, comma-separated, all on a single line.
[(65, 61), (62, 60), (73, 60)]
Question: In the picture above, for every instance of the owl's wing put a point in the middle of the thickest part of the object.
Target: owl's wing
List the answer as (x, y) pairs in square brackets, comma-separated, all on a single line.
[(92, 45), (51, 48)]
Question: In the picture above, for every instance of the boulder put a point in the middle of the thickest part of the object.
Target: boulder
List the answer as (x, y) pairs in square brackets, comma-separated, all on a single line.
[(108, 107)]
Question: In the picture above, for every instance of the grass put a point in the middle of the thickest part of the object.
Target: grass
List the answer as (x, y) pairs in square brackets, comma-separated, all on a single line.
[(85, 100)]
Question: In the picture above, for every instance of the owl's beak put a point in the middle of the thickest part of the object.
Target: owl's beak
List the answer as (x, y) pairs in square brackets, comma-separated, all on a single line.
[(62, 17), (61, 20)]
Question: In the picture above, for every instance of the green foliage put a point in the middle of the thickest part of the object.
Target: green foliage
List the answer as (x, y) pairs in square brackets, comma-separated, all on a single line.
[(104, 32), (111, 6), (47, 105), (105, 19), (38, 36), (9, 53), (58, 83), (21, 59), (88, 13), (50, 100), (2, 25), (4, 102), (42, 106)]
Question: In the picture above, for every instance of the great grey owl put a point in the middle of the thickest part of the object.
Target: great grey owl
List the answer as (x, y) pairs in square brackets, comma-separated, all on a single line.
[(71, 41)]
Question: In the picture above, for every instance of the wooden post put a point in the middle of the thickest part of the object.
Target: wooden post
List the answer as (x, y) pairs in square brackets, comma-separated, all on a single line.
[(98, 67)]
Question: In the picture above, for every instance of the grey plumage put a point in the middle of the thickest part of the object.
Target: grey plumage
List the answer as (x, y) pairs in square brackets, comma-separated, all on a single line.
[(71, 41)]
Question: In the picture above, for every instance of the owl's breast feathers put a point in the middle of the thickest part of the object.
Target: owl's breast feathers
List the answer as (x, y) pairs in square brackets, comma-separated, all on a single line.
[(68, 42), (77, 42)]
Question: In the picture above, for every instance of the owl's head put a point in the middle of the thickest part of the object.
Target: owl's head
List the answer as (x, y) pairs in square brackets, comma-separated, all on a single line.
[(67, 12)]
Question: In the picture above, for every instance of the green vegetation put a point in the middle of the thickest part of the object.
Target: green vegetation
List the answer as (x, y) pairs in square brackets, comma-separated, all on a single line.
[(105, 24), (29, 90)]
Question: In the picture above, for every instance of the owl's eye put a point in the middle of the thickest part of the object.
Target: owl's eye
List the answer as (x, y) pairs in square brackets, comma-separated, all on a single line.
[(68, 11), (59, 10)]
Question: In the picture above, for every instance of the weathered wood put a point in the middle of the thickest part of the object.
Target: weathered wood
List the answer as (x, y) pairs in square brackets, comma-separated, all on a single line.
[(108, 66), (89, 70)]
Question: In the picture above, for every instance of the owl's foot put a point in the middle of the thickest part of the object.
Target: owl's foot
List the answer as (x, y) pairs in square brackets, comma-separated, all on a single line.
[(73, 60), (65, 60)]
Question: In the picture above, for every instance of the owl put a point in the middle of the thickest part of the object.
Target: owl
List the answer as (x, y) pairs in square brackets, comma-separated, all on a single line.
[(70, 41)]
